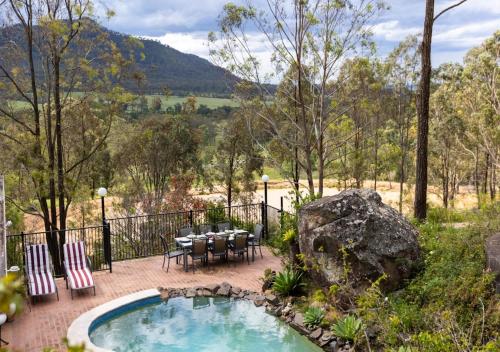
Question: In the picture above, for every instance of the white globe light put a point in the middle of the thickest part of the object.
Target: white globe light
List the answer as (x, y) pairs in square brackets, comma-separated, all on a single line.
[(102, 192), (8, 223), (265, 178)]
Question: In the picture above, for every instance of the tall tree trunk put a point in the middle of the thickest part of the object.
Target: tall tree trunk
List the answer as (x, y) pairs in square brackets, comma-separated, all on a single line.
[(485, 172), (420, 204), (476, 178), (59, 152), (493, 177)]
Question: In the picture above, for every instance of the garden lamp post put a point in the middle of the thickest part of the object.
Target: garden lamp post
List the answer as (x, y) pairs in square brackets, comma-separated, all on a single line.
[(102, 193), (265, 179)]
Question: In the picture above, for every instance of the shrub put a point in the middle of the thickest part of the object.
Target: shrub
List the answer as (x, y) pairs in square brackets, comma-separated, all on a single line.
[(288, 282), (348, 328), (313, 317)]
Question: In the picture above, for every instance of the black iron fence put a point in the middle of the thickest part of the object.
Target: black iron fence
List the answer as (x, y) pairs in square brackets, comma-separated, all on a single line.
[(137, 236)]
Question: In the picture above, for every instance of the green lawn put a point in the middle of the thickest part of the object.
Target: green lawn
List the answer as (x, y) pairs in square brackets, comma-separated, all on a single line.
[(212, 103)]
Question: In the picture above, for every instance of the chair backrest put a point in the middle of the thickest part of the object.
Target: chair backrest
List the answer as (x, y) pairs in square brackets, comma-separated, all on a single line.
[(204, 228), (199, 247), (184, 231), (74, 255), (38, 259), (164, 243), (257, 231), (223, 226), (220, 244), (240, 241)]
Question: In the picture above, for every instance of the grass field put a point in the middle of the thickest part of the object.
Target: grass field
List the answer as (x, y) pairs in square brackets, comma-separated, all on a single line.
[(212, 103)]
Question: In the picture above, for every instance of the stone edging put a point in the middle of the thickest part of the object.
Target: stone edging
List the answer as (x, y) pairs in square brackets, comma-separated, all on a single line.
[(273, 304), (78, 332)]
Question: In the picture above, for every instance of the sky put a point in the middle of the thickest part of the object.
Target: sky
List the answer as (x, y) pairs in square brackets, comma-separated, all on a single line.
[(185, 24)]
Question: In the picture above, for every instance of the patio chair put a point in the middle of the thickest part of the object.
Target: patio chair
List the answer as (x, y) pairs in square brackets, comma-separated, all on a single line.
[(77, 267), (199, 250), (240, 246), (39, 271), (219, 247), (256, 241), (223, 226), (185, 231), (167, 253), (204, 228)]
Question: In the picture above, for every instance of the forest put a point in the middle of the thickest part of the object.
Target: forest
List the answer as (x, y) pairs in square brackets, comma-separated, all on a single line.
[(82, 107)]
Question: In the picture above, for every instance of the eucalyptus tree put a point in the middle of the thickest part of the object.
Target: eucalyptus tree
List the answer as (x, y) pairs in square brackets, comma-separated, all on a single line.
[(152, 155), (55, 61), (402, 67), (424, 91), (480, 107), (309, 40), (236, 160)]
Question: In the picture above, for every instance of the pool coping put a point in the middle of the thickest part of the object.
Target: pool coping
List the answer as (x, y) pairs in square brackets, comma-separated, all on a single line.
[(78, 331)]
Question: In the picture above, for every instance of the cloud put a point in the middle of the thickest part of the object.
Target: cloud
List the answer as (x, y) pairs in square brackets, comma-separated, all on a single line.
[(197, 43), (184, 24)]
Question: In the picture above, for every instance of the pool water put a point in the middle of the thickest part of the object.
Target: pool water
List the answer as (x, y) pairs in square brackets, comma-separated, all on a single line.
[(198, 324)]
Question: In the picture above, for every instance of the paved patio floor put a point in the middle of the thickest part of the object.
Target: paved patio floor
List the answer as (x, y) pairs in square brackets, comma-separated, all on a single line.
[(49, 319)]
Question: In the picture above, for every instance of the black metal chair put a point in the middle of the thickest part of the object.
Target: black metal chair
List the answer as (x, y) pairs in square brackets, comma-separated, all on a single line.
[(185, 231), (199, 250), (204, 228), (256, 241), (239, 246), (223, 226), (219, 247), (167, 253)]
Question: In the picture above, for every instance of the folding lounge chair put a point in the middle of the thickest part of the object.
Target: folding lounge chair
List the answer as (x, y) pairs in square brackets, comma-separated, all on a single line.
[(39, 272), (77, 267)]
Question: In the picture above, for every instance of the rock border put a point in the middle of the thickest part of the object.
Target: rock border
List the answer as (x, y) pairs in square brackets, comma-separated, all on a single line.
[(274, 305)]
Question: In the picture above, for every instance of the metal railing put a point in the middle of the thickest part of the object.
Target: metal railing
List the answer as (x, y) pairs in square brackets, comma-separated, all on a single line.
[(136, 236)]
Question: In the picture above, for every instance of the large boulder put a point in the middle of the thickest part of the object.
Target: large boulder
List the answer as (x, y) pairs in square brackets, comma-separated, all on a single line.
[(376, 238)]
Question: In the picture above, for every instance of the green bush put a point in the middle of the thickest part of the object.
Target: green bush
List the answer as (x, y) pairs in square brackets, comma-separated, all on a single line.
[(348, 328), (288, 282), (443, 215), (451, 296), (313, 317)]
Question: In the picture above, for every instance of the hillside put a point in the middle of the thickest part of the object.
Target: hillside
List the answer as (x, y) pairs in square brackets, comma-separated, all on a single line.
[(184, 74)]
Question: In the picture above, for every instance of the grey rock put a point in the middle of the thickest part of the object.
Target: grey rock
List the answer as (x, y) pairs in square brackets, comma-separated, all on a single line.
[(164, 295), (327, 336), (235, 290), (316, 334), (376, 237), (333, 346), (190, 293), (259, 300), (223, 291), (272, 298), (298, 324), (492, 247), (212, 287)]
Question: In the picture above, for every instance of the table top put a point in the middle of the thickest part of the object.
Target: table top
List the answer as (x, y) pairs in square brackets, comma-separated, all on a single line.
[(188, 241)]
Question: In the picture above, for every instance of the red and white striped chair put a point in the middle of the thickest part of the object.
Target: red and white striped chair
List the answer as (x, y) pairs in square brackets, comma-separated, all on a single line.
[(77, 267), (39, 272)]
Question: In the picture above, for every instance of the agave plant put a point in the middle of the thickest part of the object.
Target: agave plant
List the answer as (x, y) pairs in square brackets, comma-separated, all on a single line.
[(288, 282), (348, 328), (313, 317)]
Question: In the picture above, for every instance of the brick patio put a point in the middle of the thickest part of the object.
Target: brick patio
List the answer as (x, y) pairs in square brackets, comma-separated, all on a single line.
[(49, 320)]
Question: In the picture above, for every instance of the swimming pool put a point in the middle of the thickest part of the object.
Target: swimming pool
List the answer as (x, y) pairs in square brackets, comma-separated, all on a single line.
[(201, 323)]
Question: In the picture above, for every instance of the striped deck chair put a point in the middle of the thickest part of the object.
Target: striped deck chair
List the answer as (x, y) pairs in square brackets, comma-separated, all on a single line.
[(77, 267), (39, 273)]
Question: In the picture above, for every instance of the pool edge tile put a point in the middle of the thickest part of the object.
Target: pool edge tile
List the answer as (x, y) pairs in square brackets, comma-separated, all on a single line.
[(78, 331)]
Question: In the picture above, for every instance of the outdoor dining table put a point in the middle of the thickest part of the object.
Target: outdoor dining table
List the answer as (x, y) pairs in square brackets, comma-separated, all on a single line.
[(186, 242)]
